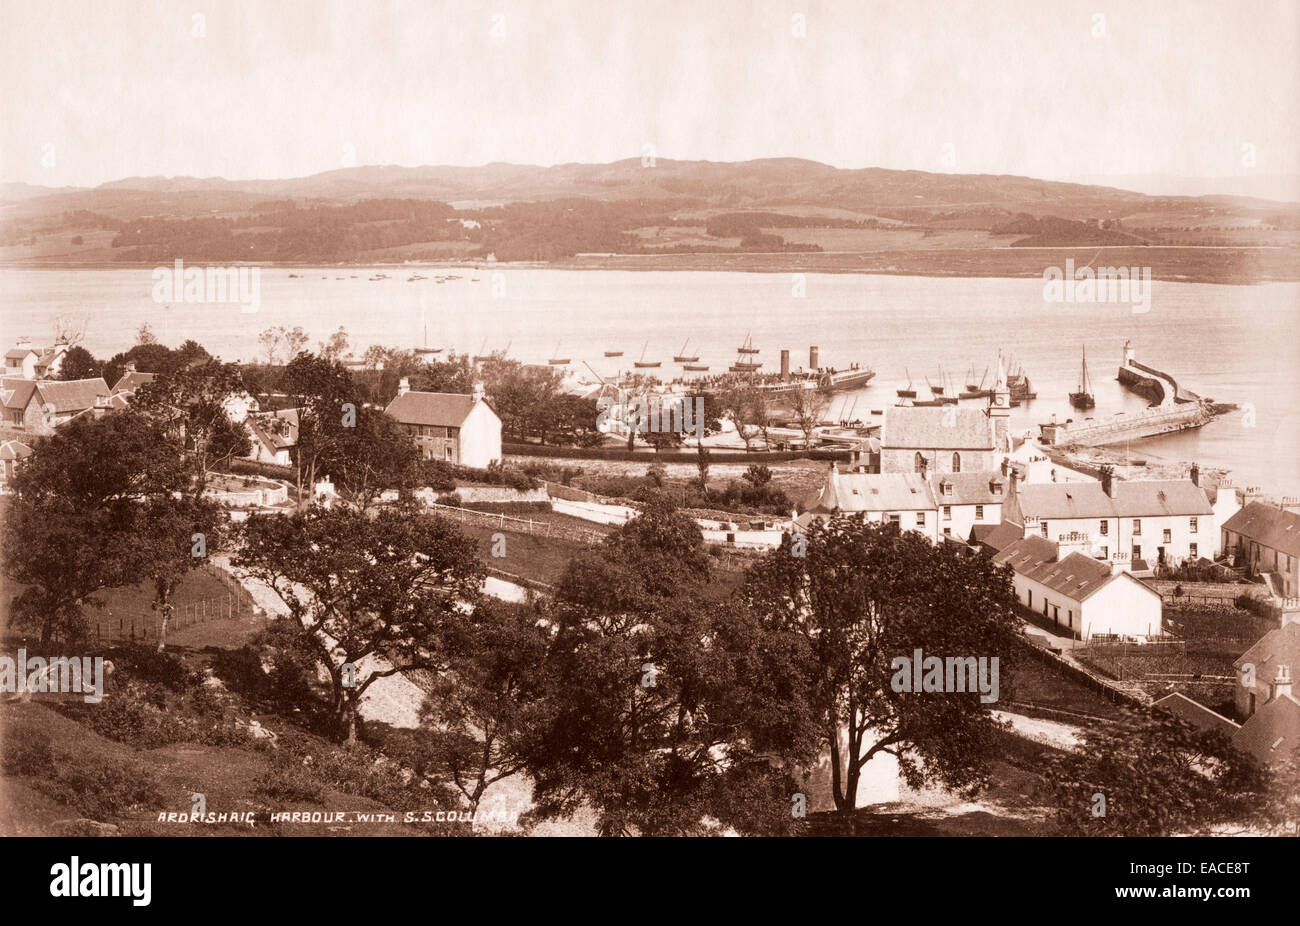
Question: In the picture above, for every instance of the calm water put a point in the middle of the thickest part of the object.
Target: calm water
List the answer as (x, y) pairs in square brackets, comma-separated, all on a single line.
[(1233, 343)]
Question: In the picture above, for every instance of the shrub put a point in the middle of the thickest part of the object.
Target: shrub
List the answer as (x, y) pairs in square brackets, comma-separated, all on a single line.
[(147, 664)]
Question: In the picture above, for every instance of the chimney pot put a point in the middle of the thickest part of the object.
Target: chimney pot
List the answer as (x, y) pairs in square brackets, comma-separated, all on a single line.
[(403, 386)]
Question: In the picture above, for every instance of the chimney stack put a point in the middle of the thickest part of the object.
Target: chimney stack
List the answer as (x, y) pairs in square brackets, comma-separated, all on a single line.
[(785, 365), (1108, 480), (129, 367), (814, 359), (1196, 475), (403, 386), (1281, 683), (478, 392)]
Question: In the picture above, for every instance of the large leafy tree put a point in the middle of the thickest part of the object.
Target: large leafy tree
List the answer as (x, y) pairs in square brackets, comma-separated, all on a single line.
[(669, 710), (373, 455), (191, 404), (77, 517), (1154, 775), (862, 595), (483, 718), (327, 401), (372, 594)]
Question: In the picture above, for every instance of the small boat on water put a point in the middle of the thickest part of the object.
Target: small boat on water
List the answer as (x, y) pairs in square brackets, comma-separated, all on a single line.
[(695, 367), (978, 391), (415, 276), (681, 355), (295, 276), (1083, 398), (909, 392), (644, 364), (613, 353), (558, 361), (743, 364)]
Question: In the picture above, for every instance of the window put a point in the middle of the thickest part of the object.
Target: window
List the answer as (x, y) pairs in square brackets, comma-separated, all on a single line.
[(1167, 536), (892, 519), (956, 462), (1105, 527), (918, 463), (1069, 619), (1191, 525), (1056, 614), (920, 519), (997, 488), (1031, 597), (1137, 527), (1043, 528), (947, 512), (979, 512), (1191, 550), (1044, 607), (1105, 552), (447, 453), (947, 531), (1137, 552)]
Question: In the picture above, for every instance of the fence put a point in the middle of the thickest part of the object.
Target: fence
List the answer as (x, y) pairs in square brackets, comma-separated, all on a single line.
[(143, 626)]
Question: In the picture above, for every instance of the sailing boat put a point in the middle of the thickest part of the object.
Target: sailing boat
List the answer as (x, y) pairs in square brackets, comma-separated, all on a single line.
[(909, 392), (936, 390), (426, 352), (1083, 399), (644, 364), (681, 355), (742, 364), (558, 361)]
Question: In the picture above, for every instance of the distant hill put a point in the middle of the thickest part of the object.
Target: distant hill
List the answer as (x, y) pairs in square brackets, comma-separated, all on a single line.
[(778, 206)]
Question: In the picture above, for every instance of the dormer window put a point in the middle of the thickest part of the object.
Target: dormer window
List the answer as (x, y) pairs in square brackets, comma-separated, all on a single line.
[(995, 488)]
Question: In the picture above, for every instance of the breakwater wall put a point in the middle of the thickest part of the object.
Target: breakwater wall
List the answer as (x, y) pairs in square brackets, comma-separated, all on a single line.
[(1162, 420)]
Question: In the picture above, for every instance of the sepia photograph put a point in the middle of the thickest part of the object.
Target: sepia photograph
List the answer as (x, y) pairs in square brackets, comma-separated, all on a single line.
[(842, 422)]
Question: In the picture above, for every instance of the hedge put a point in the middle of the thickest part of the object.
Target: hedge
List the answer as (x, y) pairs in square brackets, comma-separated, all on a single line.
[(674, 456)]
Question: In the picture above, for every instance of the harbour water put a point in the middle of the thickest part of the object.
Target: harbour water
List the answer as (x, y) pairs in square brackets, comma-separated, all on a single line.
[(1231, 343)]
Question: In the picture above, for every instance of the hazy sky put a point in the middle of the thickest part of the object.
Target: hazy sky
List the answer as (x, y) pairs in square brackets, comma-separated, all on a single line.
[(281, 88)]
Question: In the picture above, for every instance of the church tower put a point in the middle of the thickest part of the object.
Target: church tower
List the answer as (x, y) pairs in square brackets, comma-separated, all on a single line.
[(1000, 410)]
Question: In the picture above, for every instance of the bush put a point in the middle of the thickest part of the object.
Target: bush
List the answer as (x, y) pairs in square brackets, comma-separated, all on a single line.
[(147, 664), (93, 788)]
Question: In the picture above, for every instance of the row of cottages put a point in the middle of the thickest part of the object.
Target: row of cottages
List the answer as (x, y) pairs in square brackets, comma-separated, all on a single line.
[(1266, 540), (1084, 596), (1134, 525), (950, 506), (462, 429), (26, 362), (1268, 724), (38, 406)]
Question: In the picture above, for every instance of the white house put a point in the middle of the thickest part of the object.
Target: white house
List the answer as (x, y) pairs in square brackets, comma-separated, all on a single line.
[(273, 436), (966, 501), (1081, 594), (904, 499), (446, 426), (28, 362), (1141, 523)]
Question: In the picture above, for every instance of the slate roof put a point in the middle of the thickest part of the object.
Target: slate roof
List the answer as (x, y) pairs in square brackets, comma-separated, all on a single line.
[(16, 392), (72, 395), (1076, 576), (969, 488), (1268, 526), (276, 437), (14, 450), (18, 353), (1272, 732), (1280, 646), (1165, 498), (130, 382), (1195, 713), (908, 427), (998, 536), (436, 409), (874, 492)]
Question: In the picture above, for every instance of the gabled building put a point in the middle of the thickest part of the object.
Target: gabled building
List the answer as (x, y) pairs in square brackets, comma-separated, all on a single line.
[(12, 453), (966, 501), (450, 427), (131, 379), (1266, 539), (903, 499), (1080, 594), (948, 438), (29, 362), (1136, 524), (273, 436), (1279, 647), (39, 406)]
